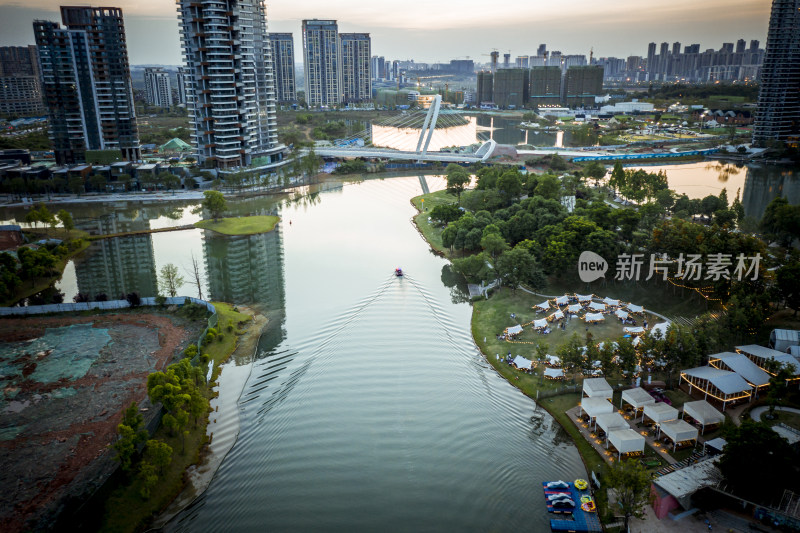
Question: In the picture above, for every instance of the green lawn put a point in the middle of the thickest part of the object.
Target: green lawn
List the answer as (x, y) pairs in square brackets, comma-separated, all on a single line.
[(432, 232), (240, 225), (790, 419)]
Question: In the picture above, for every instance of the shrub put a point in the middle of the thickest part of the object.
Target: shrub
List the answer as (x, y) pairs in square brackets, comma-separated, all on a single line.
[(134, 300), (161, 300)]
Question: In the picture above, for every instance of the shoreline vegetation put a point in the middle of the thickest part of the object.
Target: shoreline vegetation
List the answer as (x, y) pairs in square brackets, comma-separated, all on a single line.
[(125, 510), (251, 225)]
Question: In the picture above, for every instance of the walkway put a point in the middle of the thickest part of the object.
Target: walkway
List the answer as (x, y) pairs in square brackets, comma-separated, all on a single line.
[(756, 412)]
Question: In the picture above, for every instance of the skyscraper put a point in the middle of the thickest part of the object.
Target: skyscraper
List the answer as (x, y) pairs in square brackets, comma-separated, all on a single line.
[(86, 81), (378, 67), (157, 87), (356, 80), (485, 89), (283, 60), (778, 113), (20, 88), (542, 50), (181, 79), (230, 84), (322, 62)]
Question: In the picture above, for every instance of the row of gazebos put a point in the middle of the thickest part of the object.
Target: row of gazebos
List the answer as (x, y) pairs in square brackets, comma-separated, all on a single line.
[(584, 302), (738, 376), (596, 403)]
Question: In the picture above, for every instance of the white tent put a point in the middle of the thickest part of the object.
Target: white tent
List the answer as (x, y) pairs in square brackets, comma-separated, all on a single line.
[(678, 431), (562, 300), (703, 412), (597, 388), (558, 315), (583, 298), (594, 306), (636, 341), (539, 324), (514, 330), (521, 363), (553, 373), (634, 331), (596, 406), (634, 308), (610, 421), (660, 412), (626, 440), (594, 317), (637, 398), (575, 308), (552, 360), (661, 327), (544, 306), (621, 314), (609, 301)]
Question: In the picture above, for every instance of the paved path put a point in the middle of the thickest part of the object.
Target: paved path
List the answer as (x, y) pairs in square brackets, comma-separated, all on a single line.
[(756, 413)]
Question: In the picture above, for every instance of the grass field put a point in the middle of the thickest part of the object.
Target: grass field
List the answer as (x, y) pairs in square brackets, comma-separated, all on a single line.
[(432, 232), (240, 225)]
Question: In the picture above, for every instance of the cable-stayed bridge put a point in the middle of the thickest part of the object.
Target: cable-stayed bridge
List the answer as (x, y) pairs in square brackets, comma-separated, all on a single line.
[(418, 136)]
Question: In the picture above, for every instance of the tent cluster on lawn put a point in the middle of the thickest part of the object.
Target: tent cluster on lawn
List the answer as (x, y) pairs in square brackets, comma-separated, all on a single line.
[(594, 317)]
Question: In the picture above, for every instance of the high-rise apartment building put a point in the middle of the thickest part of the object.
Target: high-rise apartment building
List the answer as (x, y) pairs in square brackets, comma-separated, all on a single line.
[(545, 86), (511, 87), (582, 84), (542, 50), (356, 49), (230, 86), (20, 88), (378, 67), (283, 62), (322, 62), (181, 80), (778, 113), (86, 82), (485, 87), (157, 87)]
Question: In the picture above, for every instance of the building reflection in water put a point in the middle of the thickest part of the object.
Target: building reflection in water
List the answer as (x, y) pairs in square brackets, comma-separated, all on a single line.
[(120, 265), (764, 184)]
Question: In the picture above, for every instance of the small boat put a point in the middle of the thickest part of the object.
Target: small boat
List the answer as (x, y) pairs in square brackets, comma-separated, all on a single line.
[(398, 272)]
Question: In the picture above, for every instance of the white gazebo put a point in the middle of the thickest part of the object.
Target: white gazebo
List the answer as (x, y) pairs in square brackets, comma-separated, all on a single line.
[(612, 303), (637, 398), (521, 363), (544, 306), (625, 440), (659, 412), (610, 421), (622, 315), (704, 413), (575, 308), (594, 317), (553, 373), (678, 431), (584, 298), (595, 406), (558, 315), (514, 330), (638, 330), (562, 300), (540, 323), (634, 308), (552, 360), (594, 306), (597, 388)]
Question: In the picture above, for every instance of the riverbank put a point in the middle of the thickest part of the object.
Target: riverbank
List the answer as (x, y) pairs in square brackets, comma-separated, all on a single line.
[(125, 509)]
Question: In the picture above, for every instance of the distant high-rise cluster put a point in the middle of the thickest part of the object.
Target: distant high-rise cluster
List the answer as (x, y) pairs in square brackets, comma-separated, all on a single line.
[(87, 83), (157, 87), (230, 85), (337, 66), (741, 63), (20, 89), (283, 62), (778, 114)]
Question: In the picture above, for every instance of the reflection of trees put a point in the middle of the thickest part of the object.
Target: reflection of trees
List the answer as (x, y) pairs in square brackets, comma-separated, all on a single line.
[(724, 170), (457, 285)]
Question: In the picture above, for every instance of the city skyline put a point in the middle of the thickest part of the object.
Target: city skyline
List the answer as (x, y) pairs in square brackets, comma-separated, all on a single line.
[(152, 26)]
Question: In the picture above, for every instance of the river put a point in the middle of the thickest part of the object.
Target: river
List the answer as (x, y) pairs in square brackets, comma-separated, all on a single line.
[(367, 406)]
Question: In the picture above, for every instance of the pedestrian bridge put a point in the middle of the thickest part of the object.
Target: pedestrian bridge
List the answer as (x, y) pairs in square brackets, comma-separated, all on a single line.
[(360, 144)]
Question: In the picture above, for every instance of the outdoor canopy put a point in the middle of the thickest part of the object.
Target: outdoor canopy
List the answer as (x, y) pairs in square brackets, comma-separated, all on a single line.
[(521, 363), (539, 324), (543, 306), (553, 373), (637, 398), (609, 301), (553, 360), (514, 330), (621, 314), (634, 331), (596, 406), (558, 315), (725, 382), (575, 308), (626, 440), (597, 388), (594, 317), (594, 306), (562, 300), (634, 308), (703, 412), (660, 412), (678, 430), (611, 421), (584, 297), (742, 365), (761, 354)]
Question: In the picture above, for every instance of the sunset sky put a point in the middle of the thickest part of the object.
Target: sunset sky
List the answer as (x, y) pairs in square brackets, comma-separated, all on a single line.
[(446, 29)]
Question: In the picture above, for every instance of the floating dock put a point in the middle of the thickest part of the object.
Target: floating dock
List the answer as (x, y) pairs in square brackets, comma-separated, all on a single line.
[(581, 520)]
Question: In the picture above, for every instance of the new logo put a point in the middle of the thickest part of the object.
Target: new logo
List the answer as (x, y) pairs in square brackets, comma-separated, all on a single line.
[(591, 267)]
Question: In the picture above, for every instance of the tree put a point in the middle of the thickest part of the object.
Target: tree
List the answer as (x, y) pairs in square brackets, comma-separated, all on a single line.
[(548, 187), (158, 454), (195, 277), (457, 179), (131, 433), (66, 220), (170, 280), (125, 180), (631, 481), (76, 185), (148, 478), (170, 181), (98, 182), (509, 185), (493, 244), (445, 213), (757, 463), (472, 267), (617, 179), (214, 203), (778, 385), (595, 171), (518, 266)]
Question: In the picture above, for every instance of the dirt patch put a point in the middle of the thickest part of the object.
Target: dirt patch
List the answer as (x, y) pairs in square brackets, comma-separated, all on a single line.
[(64, 383)]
